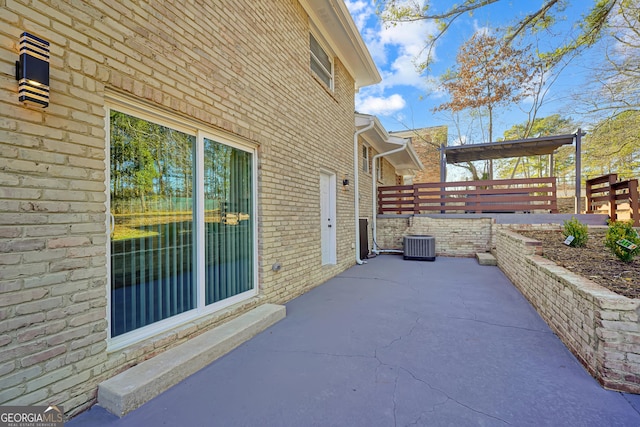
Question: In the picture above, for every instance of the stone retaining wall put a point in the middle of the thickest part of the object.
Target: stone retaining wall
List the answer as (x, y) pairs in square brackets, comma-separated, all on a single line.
[(600, 327)]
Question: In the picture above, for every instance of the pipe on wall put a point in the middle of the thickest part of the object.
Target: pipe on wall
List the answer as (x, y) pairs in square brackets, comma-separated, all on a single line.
[(356, 183), (374, 202)]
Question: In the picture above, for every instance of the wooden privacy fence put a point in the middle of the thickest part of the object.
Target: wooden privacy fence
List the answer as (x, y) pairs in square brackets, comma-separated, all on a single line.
[(499, 196), (619, 199)]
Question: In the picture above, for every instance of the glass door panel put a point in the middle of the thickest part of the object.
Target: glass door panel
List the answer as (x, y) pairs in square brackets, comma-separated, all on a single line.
[(152, 208), (229, 220)]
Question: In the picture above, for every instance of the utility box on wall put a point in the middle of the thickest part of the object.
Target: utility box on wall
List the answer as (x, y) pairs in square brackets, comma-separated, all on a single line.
[(364, 238)]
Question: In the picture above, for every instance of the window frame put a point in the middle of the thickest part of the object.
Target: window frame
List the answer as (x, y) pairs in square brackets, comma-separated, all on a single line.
[(314, 59), (366, 156), (156, 115), (378, 169)]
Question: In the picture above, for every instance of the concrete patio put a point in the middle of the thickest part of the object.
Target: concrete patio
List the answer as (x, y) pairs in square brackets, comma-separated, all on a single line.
[(394, 343)]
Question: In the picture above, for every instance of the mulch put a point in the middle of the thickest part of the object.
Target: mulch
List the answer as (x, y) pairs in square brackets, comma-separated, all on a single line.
[(594, 261)]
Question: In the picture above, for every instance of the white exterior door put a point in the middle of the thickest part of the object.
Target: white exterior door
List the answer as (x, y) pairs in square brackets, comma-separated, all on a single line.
[(328, 217)]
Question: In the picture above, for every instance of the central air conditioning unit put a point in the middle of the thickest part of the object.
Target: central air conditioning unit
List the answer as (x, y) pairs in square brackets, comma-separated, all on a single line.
[(420, 247)]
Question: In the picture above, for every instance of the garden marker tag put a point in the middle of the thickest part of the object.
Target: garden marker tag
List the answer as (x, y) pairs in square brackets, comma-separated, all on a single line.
[(568, 240), (628, 245)]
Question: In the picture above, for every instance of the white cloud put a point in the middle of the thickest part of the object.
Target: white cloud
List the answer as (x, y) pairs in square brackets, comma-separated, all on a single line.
[(379, 105), (395, 48), (361, 11), (481, 29)]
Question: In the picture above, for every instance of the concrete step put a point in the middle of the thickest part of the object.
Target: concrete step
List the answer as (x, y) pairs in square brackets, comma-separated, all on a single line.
[(485, 258), (139, 384)]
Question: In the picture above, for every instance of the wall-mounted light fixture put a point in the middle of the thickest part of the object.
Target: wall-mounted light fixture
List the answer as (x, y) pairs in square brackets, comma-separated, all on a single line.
[(345, 181), (32, 71)]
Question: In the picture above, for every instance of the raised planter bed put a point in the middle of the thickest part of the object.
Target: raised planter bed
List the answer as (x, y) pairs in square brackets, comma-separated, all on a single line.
[(600, 327)]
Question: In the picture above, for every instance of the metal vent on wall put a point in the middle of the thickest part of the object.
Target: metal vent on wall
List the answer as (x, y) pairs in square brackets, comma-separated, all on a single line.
[(420, 247)]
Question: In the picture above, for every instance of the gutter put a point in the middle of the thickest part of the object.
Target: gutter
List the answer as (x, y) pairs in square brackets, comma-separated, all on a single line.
[(356, 201), (374, 198)]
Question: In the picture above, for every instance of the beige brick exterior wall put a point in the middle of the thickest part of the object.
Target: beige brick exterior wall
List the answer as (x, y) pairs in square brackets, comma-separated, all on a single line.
[(600, 328), (426, 142), (241, 67), (454, 237)]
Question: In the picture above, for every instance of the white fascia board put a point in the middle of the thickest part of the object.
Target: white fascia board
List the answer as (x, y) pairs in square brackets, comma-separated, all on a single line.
[(414, 157), (404, 161), (333, 20), (378, 138), (362, 120)]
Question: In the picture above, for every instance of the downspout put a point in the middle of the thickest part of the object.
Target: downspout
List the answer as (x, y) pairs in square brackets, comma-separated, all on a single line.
[(374, 201), (356, 183)]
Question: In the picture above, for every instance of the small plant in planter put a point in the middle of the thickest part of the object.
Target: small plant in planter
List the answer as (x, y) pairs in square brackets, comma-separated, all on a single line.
[(575, 233), (623, 240)]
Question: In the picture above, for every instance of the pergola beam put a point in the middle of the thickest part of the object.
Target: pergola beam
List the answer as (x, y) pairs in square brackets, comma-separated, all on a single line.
[(507, 149), (517, 148)]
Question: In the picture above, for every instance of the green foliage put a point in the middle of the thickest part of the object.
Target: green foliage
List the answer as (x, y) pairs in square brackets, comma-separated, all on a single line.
[(554, 124), (578, 230), (613, 146), (538, 166), (148, 160), (622, 230)]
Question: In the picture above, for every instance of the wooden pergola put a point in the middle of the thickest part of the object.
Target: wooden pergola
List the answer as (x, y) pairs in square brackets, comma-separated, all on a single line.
[(516, 148)]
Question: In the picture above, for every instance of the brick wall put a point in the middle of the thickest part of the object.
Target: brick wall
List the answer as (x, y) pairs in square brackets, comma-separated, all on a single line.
[(247, 75), (426, 142), (454, 237), (601, 328)]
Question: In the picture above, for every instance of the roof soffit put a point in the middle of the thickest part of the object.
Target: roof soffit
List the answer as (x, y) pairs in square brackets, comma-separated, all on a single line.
[(378, 138), (333, 20)]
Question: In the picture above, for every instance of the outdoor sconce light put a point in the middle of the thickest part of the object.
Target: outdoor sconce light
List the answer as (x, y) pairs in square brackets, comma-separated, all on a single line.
[(32, 71), (345, 183)]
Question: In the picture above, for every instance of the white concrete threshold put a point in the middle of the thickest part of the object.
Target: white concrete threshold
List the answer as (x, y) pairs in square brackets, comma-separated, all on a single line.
[(141, 383)]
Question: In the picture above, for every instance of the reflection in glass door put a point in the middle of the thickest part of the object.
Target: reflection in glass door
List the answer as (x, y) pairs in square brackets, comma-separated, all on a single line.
[(228, 221), (151, 190)]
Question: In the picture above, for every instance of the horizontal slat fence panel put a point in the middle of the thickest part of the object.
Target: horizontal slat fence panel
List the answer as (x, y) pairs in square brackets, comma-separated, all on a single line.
[(619, 199), (510, 195)]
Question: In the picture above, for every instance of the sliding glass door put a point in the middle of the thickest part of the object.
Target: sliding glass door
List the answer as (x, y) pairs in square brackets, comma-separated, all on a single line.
[(158, 209)]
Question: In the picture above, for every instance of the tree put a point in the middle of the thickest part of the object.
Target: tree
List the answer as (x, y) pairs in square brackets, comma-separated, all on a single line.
[(538, 166), (489, 74), (149, 160), (590, 29), (132, 162), (613, 146), (463, 126), (616, 78), (610, 25)]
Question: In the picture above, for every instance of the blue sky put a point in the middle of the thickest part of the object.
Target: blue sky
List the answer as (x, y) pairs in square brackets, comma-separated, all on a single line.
[(404, 99)]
